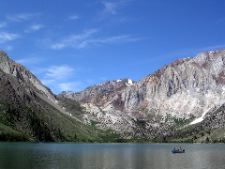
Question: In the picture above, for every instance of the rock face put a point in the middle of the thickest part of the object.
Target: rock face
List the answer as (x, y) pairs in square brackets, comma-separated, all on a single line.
[(184, 89), (8, 66), (30, 111), (103, 106), (185, 98)]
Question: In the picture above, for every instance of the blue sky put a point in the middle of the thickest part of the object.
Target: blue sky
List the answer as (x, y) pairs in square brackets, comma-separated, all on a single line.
[(72, 44)]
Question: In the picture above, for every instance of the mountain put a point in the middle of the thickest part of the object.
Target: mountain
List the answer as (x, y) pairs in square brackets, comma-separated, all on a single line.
[(182, 102), (29, 111), (178, 96)]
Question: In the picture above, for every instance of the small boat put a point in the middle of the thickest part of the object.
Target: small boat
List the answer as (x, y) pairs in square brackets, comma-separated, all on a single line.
[(180, 150)]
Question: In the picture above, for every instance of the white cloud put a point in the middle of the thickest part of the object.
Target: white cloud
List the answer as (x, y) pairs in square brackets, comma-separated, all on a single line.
[(58, 78), (29, 61), (70, 86), (73, 40), (48, 82), (7, 36), (22, 16), (59, 72), (63, 78), (73, 17), (34, 28), (88, 39), (108, 40), (110, 7)]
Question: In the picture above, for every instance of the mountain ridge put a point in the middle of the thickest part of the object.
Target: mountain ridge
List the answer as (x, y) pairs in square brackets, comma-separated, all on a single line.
[(181, 102), (183, 89), (30, 111)]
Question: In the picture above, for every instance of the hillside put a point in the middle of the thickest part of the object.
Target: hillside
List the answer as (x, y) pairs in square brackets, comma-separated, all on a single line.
[(29, 111), (181, 102), (180, 94)]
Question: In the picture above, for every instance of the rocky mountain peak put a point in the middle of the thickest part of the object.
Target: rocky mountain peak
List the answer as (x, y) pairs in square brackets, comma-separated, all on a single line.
[(30, 111), (184, 88), (10, 67), (3, 55)]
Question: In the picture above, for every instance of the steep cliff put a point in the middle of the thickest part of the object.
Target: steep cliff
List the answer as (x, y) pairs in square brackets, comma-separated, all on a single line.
[(184, 90), (30, 111)]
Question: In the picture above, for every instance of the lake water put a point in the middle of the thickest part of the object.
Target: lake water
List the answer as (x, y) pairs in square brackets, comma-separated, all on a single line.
[(110, 156)]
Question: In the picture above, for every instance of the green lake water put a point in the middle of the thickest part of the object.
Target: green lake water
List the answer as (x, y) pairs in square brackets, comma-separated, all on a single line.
[(110, 156)]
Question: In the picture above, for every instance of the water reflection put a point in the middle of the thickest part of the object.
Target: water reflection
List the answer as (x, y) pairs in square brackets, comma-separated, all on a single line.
[(109, 156)]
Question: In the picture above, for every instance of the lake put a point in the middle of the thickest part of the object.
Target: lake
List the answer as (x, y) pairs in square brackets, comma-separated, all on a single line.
[(110, 156)]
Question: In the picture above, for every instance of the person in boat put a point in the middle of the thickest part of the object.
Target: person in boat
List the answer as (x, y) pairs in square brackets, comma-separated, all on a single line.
[(176, 149)]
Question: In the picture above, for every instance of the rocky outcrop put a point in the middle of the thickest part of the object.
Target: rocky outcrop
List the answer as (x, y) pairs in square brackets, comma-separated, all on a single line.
[(184, 89), (182, 100), (10, 67)]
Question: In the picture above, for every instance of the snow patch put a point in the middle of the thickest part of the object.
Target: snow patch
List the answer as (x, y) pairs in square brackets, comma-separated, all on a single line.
[(200, 119), (223, 90), (130, 82)]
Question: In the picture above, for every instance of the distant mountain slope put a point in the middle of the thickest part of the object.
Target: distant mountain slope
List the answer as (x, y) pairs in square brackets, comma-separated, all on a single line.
[(30, 111), (210, 129), (183, 101), (176, 94)]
